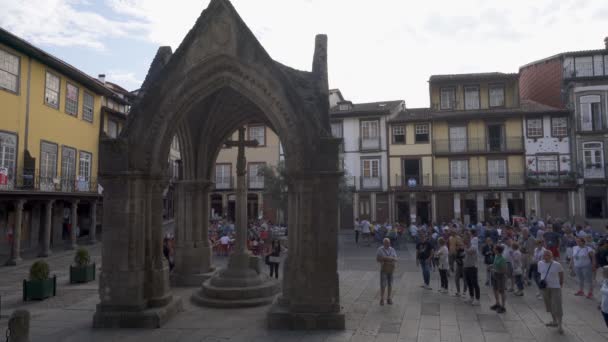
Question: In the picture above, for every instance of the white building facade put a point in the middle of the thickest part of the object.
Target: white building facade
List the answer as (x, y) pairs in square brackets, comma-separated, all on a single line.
[(364, 157)]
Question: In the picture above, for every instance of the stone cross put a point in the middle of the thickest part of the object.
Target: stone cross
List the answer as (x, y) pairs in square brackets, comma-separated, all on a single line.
[(241, 190)]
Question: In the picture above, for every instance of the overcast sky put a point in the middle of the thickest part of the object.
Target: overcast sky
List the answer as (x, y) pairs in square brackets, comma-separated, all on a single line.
[(378, 50)]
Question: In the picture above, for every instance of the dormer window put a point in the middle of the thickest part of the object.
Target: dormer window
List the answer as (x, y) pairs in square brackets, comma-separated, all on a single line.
[(471, 97), (344, 106), (448, 98)]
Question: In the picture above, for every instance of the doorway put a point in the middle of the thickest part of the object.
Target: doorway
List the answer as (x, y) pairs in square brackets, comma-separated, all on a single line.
[(495, 137), (411, 171)]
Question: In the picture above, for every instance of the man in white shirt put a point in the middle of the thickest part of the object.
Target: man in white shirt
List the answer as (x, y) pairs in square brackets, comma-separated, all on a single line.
[(387, 258), (552, 276), (366, 231)]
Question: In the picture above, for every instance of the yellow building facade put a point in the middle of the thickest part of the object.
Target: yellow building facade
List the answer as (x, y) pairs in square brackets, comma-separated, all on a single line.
[(267, 153), (410, 162), (49, 133), (478, 147)]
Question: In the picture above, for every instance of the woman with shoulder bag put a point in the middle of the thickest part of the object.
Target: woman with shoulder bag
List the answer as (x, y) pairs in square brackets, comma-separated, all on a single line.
[(274, 258)]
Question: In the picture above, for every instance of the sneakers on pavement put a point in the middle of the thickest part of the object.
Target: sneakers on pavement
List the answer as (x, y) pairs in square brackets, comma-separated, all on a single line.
[(580, 293)]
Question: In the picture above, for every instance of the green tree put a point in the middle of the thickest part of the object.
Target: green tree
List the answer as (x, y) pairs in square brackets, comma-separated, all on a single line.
[(275, 187)]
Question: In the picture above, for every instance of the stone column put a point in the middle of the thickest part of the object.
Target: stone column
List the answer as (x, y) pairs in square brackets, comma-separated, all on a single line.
[(74, 220), (356, 204), (224, 205), (504, 207), (311, 291), (480, 207), (134, 282), (192, 249), (15, 257), (48, 224), (37, 235), (372, 205), (457, 211), (93, 227)]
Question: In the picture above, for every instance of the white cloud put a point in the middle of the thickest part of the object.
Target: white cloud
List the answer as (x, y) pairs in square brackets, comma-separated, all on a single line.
[(61, 23), (125, 79), (381, 50)]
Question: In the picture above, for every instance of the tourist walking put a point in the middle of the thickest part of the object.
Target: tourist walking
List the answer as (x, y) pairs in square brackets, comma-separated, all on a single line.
[(366, 232), (583, 264), (526, 247), (274, 258), (552, 240), (387, 257), (488, 258), (499, 269), (539, 252), (604, 293), (517, 263), (459, 268), (424, 254), (551, 283), (443, 265), (357, 230), (508, 255), (470, 271)]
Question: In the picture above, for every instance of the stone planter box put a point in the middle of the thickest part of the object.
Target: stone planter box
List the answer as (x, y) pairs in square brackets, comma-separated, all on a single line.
[(39, 289), (82, 274)]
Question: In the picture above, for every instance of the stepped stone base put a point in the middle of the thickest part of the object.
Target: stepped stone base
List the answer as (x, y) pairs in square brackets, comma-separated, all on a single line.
[(151, 318), (262, 292), (280, 317), (191, 279)]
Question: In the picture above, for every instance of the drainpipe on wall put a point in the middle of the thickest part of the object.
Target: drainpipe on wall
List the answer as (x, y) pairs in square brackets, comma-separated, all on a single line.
[(27, 103)]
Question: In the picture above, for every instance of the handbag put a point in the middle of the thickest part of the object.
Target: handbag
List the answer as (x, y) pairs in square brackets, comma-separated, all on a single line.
[(543, 283), (388, 267)]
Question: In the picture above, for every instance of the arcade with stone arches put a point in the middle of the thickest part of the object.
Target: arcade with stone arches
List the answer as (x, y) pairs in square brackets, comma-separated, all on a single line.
[(219, 79)]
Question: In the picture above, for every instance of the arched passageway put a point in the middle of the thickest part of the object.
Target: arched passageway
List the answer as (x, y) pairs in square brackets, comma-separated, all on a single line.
[(219, 79)]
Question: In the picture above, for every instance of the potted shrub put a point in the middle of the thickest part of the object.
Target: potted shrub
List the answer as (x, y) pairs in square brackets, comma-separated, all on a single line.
[(39, 286), (82, 271)]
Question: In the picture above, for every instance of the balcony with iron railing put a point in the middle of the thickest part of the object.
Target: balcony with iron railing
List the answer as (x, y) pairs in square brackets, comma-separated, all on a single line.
[(479, 181), (550, 179), (32, 181), (412, 181), (370, 144), (370, 183), (478, 145)]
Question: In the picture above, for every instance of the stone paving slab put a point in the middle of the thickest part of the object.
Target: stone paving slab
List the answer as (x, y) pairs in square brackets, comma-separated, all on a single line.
[(416, 315)]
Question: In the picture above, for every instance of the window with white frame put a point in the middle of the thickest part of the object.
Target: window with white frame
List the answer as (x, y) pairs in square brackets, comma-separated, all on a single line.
[(568, 67), (256, 179), (471, 97), (84, 166), (112, 128), (8, 156), (591, 113), (9, 71), (583, 66), (223, 176), (68, 168), (459, 173), (88, 105), (448, 98), (421, 133), (534, 128), (399, 134), (258, 133), (497, 95), (48, 164), (593, 155), (370, 129), (371, 168), (598, 65), (336, 129), (559, 127), (51, 92), (497, 172), (547, 164), (71, 99)]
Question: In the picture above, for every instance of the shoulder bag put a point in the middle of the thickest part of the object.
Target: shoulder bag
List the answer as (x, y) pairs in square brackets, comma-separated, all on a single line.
[(543, 283)]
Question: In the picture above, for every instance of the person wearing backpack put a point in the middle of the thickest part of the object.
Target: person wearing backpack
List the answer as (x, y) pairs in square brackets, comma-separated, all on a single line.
[(551, 283), (583, 264)]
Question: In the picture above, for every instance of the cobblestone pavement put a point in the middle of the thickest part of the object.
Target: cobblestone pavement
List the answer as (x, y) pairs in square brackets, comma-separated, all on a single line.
[(417, 314)]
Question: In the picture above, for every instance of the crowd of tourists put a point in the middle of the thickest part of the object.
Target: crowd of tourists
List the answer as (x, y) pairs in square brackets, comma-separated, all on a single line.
[(264, 239), (535, 253)]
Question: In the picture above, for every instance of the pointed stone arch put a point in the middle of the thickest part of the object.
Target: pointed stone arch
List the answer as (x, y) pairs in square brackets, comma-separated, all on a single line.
[(217, 80)]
